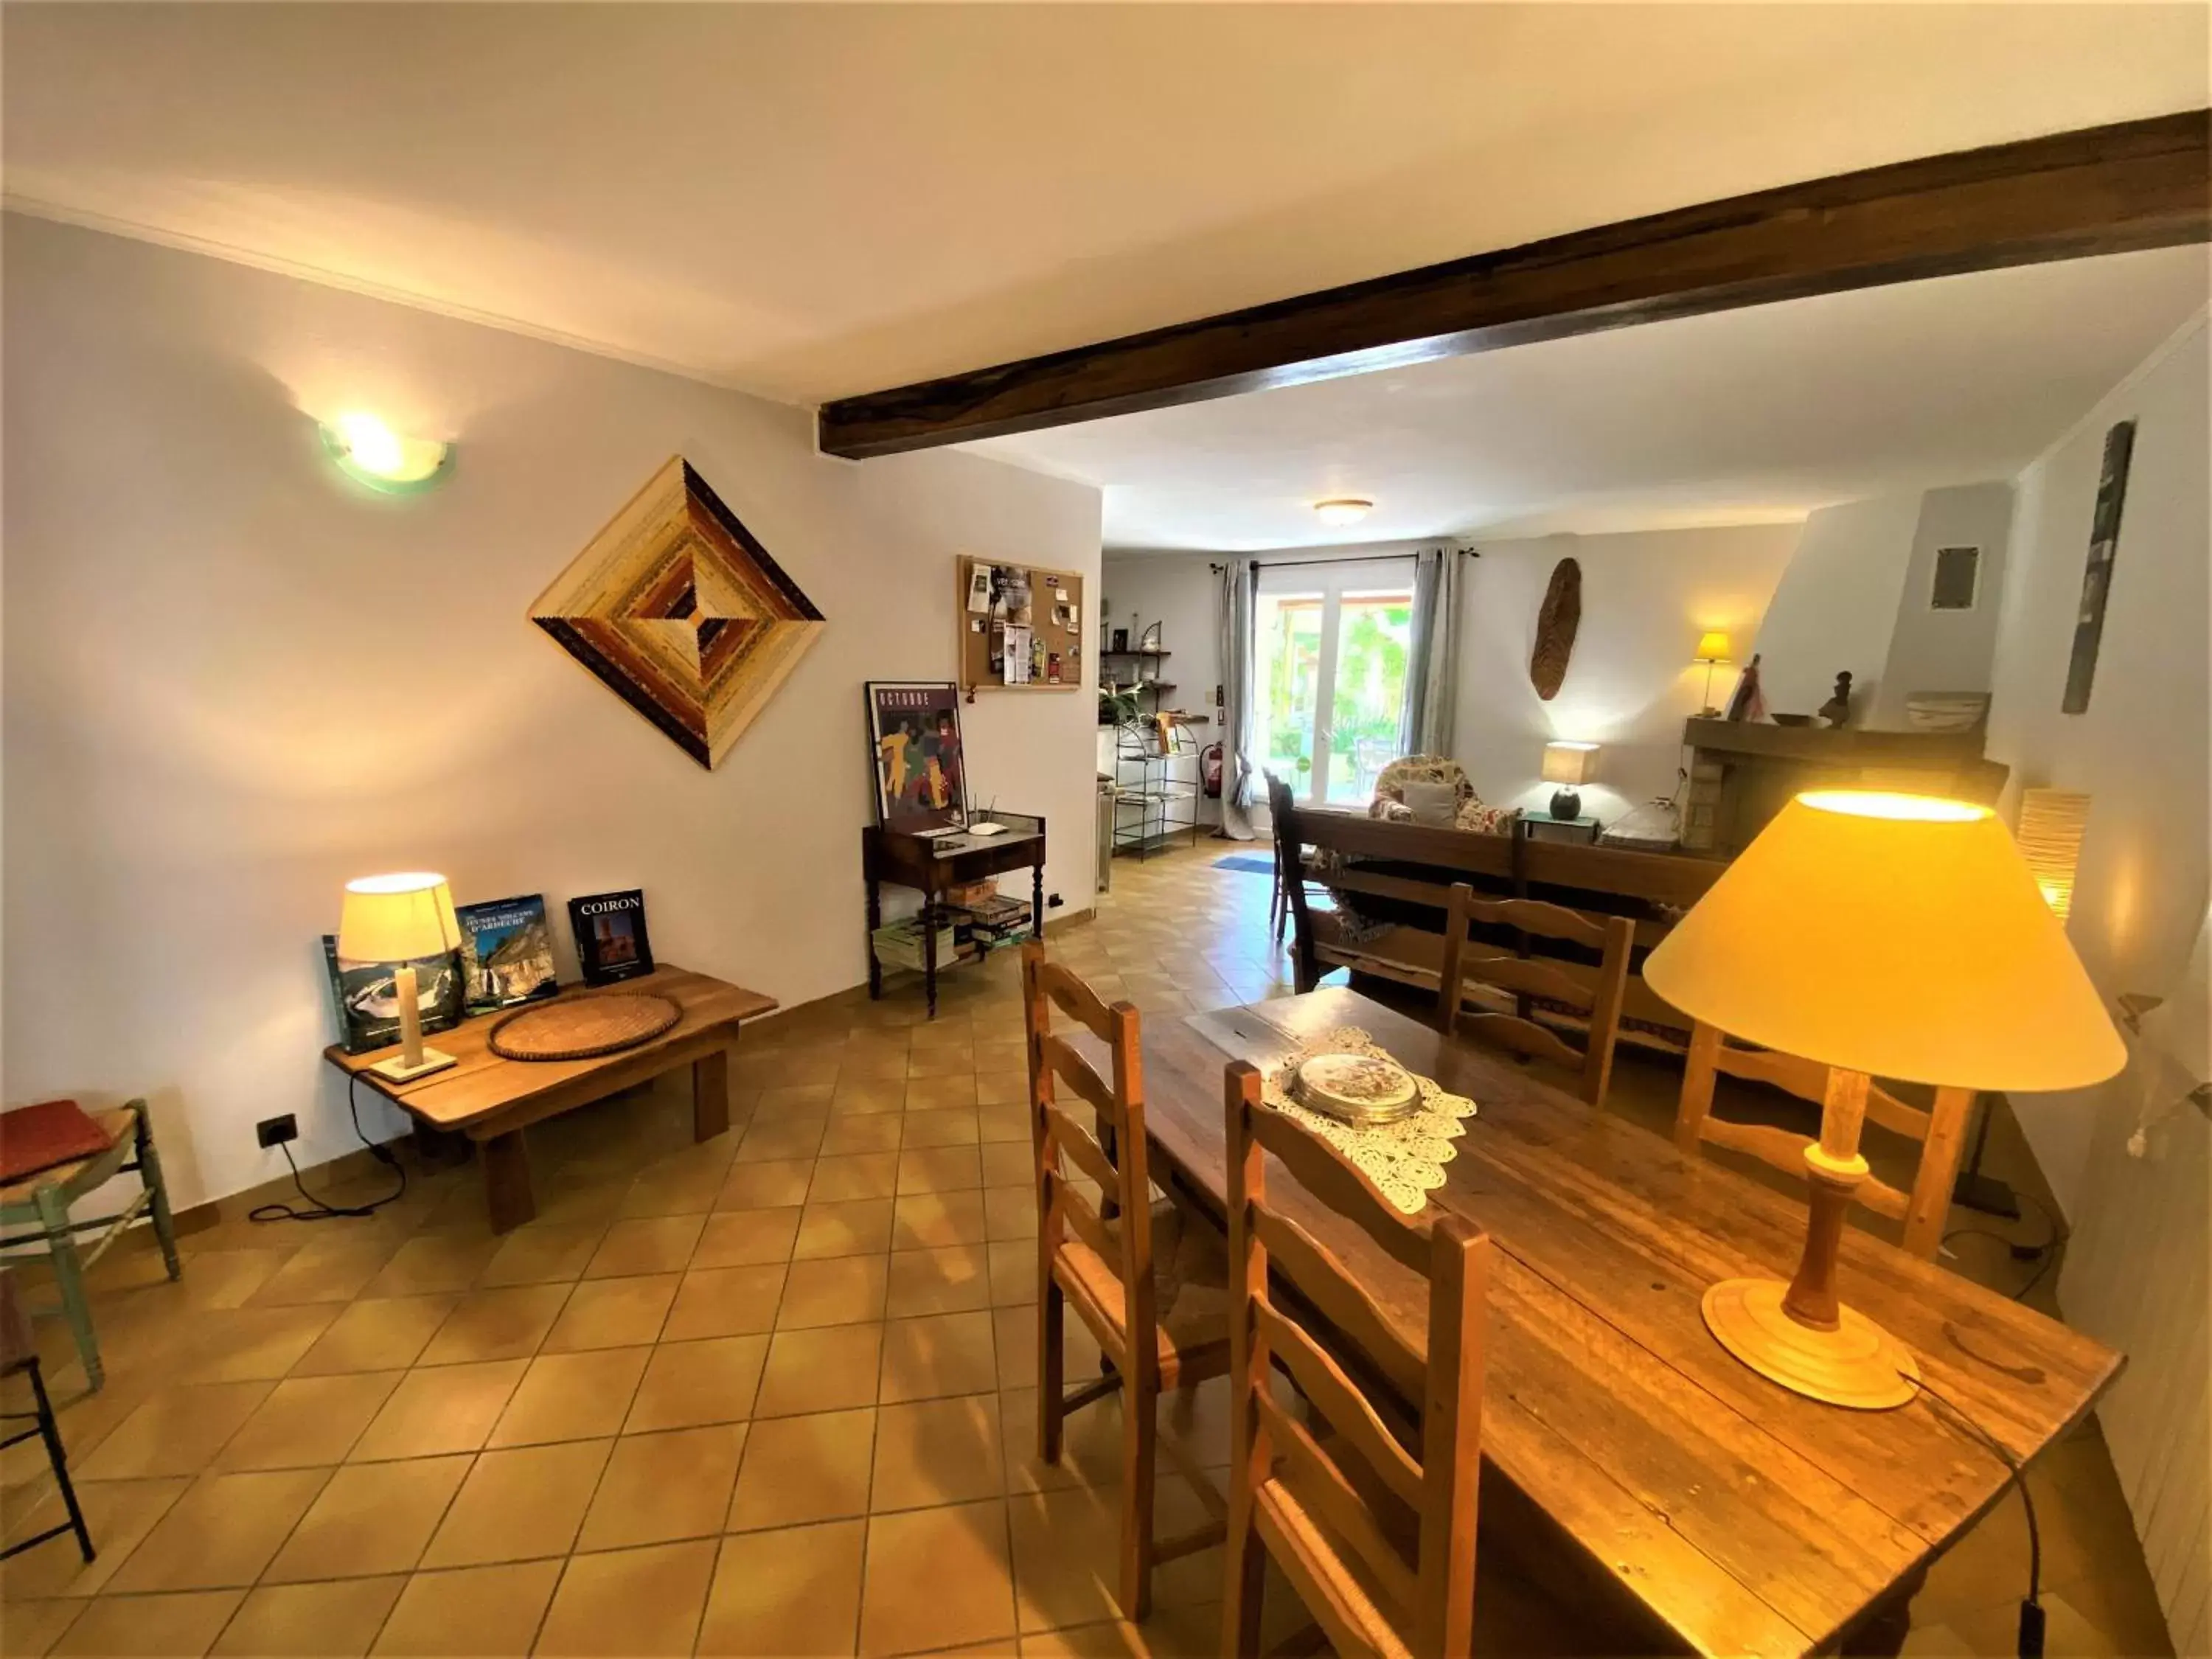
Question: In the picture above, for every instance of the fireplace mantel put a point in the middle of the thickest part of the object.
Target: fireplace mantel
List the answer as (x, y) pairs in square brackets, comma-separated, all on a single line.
[(1740, 774)]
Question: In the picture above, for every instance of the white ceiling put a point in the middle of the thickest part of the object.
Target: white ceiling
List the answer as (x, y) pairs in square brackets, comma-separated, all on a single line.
[(814, 200), (1745, 417)]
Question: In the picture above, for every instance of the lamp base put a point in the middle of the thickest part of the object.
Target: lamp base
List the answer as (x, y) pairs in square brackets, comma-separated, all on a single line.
[(396, 1070), (1857, 1364)]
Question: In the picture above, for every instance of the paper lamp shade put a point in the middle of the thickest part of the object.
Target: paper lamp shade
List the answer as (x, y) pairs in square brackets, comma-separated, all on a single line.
[(400, 918), (1713, 645), (1897, 935), (1570, 762)]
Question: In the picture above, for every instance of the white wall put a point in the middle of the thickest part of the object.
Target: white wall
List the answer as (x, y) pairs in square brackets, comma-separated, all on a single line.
[(1177, 591), (1836, 605), (1932, 650), (2134, 1272), (1631, 683), (234, 679)]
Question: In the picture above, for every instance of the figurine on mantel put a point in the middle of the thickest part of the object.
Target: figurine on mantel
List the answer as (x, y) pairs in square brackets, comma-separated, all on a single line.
[(1837, 711)]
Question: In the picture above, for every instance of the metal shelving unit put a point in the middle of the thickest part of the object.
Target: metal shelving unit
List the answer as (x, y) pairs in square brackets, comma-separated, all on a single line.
[(1156, 790)]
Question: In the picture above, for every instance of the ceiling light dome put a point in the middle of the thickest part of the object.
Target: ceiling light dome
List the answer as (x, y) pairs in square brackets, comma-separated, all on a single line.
[(1343, 509)]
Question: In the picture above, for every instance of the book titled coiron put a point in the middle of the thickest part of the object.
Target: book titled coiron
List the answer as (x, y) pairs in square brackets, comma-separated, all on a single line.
[(610, 939)]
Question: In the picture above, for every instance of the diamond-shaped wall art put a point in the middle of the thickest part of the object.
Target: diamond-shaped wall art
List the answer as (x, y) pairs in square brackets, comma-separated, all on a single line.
[(680, 610)]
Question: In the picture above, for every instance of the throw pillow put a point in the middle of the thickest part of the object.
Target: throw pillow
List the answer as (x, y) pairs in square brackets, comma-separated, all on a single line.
[(1432, 803)]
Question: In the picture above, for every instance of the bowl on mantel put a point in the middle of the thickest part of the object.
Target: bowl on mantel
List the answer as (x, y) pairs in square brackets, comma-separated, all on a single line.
[(1945, 711)]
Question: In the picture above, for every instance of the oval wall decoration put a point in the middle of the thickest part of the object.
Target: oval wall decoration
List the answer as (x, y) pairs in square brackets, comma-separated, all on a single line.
[(1555, 629)]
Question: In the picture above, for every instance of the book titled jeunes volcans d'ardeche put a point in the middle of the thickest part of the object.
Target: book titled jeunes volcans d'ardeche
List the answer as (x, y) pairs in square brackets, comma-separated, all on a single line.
[(507, 951), (611, 945)]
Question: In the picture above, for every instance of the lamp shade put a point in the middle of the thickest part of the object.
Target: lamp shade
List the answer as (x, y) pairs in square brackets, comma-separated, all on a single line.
[(1713, 645), (399, 917), (1570, 762), (1897, 935)]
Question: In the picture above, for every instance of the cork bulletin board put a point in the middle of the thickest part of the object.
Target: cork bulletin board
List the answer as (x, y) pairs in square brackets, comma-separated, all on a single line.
[(998, 600)]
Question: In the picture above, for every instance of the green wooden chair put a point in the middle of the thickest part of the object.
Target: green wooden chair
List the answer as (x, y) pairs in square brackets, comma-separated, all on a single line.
[(41, 1204)]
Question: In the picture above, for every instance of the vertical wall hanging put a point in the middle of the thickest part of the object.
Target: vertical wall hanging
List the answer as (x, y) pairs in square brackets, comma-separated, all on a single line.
[(679, 610), (2097, 577), (1556, 623)]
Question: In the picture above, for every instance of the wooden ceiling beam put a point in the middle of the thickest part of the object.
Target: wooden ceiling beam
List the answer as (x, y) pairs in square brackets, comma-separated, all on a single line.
[(2138, 185)]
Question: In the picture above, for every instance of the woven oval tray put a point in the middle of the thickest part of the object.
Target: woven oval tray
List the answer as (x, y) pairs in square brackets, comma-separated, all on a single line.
[(578, 1027)]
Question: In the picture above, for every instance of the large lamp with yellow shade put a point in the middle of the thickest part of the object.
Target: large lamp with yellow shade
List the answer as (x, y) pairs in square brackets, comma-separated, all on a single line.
[(1897, 936)]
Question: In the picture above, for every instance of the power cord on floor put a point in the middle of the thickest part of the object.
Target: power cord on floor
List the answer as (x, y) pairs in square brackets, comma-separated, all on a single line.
[(2042, 1254), (2030, 1645), (320, 1210)]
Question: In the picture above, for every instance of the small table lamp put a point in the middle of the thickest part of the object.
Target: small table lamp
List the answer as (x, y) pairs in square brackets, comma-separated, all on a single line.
[(1712, 651), (1897, 935), (1569, 763), (400, 919)]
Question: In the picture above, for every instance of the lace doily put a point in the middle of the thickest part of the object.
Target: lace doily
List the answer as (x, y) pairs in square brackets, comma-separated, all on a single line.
[(1406, 1159)]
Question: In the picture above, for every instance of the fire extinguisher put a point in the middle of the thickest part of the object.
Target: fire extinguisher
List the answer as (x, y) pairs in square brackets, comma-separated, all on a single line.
[(1209, 767)]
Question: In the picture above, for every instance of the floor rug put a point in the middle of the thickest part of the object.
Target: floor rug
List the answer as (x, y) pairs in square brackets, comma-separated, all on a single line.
[(1246, 861)]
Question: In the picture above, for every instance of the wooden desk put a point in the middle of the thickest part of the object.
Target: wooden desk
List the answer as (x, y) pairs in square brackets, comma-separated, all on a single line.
[(1694, 1505), (492, 1100), (931, 864)]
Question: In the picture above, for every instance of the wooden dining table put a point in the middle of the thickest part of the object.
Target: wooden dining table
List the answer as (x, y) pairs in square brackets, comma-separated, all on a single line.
[(1682, 1502)]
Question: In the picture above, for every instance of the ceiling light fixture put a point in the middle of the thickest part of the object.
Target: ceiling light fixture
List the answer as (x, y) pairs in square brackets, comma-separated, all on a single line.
[(1343, 509), (368, 451)]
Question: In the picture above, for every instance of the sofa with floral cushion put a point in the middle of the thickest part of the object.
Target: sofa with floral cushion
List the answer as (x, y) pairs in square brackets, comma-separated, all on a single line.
[(1432, 790)]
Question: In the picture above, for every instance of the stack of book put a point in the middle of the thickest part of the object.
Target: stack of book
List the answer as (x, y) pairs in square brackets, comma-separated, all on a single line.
[(898, 944), (997, 920)]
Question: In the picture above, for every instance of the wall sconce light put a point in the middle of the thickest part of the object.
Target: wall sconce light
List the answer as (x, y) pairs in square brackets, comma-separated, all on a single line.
[(1571, 763), (371, 452), (2052, 822), (1712, 651)]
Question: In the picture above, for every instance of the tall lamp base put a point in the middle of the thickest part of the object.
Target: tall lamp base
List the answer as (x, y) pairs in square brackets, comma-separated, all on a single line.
[(1857, 1364)]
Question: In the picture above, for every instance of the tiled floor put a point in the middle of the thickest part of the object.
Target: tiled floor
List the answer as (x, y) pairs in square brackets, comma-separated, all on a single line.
[(772, 1394)]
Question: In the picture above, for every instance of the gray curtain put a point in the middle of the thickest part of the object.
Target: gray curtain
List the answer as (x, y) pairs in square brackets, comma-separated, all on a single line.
[(1236, 601), (1433, 661)]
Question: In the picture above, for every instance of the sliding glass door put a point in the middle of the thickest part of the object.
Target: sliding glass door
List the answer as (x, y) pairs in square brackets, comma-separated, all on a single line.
[(1331, 664)]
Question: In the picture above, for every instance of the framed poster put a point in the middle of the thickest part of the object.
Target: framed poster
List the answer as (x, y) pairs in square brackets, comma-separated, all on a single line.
[(913, 746), (2097, 577)]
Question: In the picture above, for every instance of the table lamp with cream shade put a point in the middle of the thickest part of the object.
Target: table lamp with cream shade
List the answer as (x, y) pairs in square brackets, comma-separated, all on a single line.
[(401, 918), (1889, 935), (1572, 764), (1712, 652)]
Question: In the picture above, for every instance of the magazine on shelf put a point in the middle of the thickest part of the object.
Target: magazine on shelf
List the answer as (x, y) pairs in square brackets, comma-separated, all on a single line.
[(611, 945), (367, 1010), (507, 952)]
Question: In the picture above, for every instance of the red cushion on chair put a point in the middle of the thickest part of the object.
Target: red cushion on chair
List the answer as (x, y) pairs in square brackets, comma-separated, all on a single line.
[(54, 1132)]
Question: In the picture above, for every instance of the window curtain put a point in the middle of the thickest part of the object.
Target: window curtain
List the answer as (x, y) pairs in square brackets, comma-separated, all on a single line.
[(1432, 659), (1236, 602)]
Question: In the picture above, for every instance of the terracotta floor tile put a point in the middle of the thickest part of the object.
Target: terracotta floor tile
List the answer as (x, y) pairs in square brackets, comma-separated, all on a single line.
[(863, 1175), (936, 1578), (689, 1383), (1013, 1272), (800, 1469), (953, 1280), (830, 1369), (766, 1185), (519, 1502), (859, 1227), (951, 1126), (804, 1090), (928, 1093), (683, 1185), (329, 1269), (788, 1595), (1177, 1632), (934, 1452), (542, 1253), (508, 1323), (1008, 1121), (650, 1244), (845, 1290), (747, 1238), (938, 1168), (177, 1431), (118, 1513), (250, 1344), (953, 1061), (431, 1262), (371, 1518), (1066, 1551), (869, 1132), (1010, 1055), (1009, 1088), (634, 1603), (223, 1532), (1009, 1163), (475, 1611), (1010, 1212), (928, 1221), (32, 1627), (308, 1420), (449, 1408), (937, 1355), (571, 1396), (772, 1141), (660, 1487), (950, 1031), (613, 1313), (384, 1334), (724, 1302), (870, 1086), (153, 1627), (283, 1621)]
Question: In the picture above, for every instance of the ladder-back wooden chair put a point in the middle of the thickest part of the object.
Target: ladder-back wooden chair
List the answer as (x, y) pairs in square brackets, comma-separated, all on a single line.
[(1594, 993), (1941, 1129), (1151, 1286), (1327, 1512)]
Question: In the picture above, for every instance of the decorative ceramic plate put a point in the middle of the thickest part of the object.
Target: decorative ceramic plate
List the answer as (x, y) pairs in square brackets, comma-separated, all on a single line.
[(1358, 1088)]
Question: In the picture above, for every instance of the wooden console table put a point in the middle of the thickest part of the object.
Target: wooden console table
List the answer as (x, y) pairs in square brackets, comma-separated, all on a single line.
[(931, 864), (492, 1100)]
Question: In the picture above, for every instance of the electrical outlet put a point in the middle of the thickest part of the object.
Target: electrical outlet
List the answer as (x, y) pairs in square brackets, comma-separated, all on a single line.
[(276, 1131), (1053, 900)]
